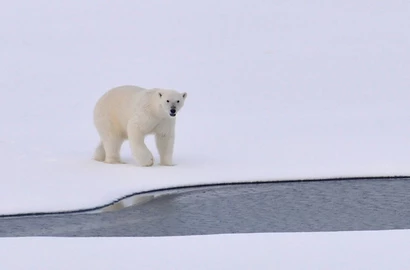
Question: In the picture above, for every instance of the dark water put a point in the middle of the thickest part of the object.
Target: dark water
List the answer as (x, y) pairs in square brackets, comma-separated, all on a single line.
[(275, 207)]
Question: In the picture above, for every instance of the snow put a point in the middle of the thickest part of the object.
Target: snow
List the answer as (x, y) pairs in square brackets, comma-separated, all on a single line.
[(276, 91), (311, 251)]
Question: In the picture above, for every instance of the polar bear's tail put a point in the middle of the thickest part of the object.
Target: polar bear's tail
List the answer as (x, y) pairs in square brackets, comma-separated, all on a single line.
[(99, 154)]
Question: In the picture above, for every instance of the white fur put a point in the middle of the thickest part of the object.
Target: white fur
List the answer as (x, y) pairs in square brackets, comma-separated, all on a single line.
[(131, 112)]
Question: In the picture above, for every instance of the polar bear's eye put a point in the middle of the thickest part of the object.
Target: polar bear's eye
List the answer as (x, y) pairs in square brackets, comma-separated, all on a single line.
[(168, 101), (177, 101)]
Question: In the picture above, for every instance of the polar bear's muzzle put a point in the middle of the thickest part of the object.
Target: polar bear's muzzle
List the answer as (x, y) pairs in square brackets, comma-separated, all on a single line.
[(173, 112)]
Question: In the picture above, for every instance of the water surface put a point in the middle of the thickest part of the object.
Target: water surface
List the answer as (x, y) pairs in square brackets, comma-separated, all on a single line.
[(249, 208)]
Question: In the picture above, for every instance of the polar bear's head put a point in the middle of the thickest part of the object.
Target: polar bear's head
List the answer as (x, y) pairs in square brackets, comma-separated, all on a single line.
[(171, 101)]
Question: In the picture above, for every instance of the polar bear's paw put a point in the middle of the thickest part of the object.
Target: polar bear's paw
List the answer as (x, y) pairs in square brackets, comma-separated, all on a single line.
[(99, 154), (99, 158), (167, 164), (146, 160), (113, 161), (147, 163)]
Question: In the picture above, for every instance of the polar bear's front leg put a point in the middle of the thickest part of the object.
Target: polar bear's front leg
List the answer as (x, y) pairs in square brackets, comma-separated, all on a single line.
[(165, 145), (139, 150)]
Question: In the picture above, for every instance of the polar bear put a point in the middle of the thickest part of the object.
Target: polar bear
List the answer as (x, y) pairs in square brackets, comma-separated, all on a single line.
[(131, 112)]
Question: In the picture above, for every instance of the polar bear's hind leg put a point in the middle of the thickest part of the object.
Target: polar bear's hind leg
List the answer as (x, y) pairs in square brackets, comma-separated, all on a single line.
[(111, 138), (99, 153), (112, 147)]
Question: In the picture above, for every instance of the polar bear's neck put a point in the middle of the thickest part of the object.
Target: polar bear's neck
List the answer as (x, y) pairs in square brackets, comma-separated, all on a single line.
[(155, 107)]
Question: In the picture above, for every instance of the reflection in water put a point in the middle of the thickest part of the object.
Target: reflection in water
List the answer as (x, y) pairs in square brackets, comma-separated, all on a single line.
[(128, 202)]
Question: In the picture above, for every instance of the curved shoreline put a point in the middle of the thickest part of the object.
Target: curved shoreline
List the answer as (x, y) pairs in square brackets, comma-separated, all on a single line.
[(180, 188)]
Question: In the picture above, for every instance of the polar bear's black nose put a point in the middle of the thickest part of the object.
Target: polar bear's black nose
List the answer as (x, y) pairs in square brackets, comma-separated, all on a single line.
[(173, 111)]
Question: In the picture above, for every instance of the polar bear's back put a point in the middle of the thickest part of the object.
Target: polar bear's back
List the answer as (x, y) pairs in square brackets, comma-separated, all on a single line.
[(117, 105)]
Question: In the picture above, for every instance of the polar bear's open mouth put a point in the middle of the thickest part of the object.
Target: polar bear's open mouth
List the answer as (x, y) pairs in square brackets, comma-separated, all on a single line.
[(173, 114)]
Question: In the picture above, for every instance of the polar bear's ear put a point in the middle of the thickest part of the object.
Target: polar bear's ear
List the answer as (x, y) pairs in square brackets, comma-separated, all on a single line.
[(159, 94), (184, 95)]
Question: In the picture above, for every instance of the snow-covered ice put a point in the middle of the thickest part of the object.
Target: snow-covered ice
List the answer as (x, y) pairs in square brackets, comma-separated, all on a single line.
[(276, 91), (291, 251)]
